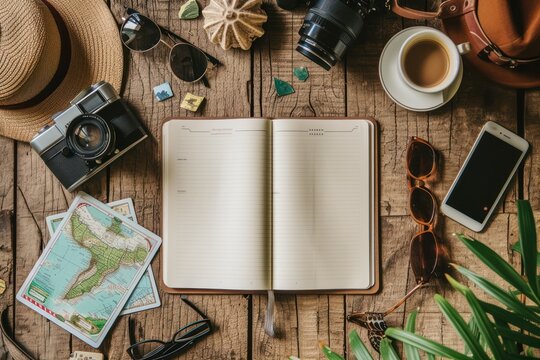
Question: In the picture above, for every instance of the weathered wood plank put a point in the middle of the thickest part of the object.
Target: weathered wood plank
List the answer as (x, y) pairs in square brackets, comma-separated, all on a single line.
[(531, 117), (7, 225), (314, 318), (137, 174)]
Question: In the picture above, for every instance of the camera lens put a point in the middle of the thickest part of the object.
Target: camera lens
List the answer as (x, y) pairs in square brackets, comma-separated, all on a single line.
[(90, 136), (329, 27)]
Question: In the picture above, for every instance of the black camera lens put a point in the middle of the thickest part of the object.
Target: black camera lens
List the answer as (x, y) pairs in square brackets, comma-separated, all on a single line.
[(329, 27), (90, 137)]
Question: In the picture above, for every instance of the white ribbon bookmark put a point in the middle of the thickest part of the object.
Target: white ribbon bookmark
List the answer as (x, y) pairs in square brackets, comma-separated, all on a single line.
[(269, 318)]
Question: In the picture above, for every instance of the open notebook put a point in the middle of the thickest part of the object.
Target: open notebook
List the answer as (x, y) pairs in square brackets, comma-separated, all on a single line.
[(258, 204)]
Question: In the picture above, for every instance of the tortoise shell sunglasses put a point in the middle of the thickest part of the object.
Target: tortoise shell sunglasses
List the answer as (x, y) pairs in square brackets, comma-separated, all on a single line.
[(425, 252)]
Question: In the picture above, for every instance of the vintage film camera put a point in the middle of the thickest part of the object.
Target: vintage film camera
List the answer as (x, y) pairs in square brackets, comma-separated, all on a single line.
[(94, 131)]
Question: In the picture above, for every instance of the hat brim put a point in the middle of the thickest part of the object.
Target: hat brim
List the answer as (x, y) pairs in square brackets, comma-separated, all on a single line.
[(96, 54), (526, 76)]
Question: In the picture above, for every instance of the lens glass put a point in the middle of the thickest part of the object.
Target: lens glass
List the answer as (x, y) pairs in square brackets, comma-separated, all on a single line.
[(188, 63), (90, 136), (422, 205), (146, 349), (139, 33), (420, 159), (424, 256), (192, 331)]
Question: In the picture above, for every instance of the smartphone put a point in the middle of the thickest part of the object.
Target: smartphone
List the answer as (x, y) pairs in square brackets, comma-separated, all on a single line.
[(484, 176)]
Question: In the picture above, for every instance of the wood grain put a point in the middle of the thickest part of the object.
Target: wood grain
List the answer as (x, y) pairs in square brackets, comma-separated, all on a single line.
[(243, 87)]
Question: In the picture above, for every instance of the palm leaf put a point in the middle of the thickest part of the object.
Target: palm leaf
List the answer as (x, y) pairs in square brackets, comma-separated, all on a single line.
[(473, 327), (358, 348), (501, 314), (420, 342), (499, 294), (387, 350), (496, 263), (527, 239), (461, 328), (486, 327), (517, 247), (519, 337), (509, 345), (330, 355), (411, 352)]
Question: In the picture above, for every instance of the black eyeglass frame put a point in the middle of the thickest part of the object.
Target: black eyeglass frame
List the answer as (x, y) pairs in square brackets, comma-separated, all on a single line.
[(175, 38), (177, 345)]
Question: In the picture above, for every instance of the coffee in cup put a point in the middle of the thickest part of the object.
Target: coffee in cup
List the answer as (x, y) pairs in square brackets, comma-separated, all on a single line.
[(429, 61)]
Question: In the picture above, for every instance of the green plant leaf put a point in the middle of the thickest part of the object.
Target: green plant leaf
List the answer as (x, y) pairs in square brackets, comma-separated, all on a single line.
[(473, 327), (461, 328), (420, 342), (330, 355), (509, 345), (486, 327), (387, 350), (511, 318), (527, 239), (499, 294), (517, 248), (496, 263), (358, 348), (519, 337), (411, 352), (431, 356)]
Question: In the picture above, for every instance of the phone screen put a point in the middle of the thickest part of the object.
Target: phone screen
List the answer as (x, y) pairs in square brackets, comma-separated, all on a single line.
[(484, 176)]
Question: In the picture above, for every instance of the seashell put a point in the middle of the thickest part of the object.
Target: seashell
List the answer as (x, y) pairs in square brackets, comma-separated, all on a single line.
[(234, 23)]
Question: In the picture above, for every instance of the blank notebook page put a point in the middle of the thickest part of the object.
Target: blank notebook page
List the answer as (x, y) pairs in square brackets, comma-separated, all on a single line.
[(216, 226), (322, 221)]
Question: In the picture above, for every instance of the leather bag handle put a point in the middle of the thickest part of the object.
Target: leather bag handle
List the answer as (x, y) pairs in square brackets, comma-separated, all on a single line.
[(409, 13)]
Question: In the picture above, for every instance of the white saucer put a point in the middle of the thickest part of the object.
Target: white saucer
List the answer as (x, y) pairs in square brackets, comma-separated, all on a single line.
[(398, 90)]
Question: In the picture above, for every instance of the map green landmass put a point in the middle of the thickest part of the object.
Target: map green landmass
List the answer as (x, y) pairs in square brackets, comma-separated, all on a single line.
[(105, 259)]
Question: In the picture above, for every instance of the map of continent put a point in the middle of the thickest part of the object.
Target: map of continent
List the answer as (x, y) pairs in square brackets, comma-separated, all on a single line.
[(89, 269)]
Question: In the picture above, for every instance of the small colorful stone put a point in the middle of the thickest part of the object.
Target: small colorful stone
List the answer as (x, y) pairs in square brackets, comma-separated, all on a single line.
[(190, 10), (282, 87), (163, 92), (192, 102), (301, 73)]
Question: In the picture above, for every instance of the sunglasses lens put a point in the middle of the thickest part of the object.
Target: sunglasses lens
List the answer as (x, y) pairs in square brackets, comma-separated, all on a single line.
[(146, 349), (422, 205), (420, 159), (424, 256), (139, 33), (188, 63)]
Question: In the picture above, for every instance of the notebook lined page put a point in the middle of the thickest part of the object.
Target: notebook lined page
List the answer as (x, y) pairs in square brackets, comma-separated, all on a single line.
[(216, 228), (322, 221)]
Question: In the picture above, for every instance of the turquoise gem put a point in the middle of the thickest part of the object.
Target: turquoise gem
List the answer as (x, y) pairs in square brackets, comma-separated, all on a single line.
[(282, 87), (301, 73)]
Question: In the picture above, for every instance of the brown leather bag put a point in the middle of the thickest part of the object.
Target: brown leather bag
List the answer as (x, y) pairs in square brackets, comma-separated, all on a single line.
[(504, 36)]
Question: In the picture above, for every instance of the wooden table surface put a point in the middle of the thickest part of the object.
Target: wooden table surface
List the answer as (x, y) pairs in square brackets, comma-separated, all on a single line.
[(243, 88)]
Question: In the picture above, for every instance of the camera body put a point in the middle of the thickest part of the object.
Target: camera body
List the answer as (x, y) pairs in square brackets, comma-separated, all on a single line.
[(94, 131)]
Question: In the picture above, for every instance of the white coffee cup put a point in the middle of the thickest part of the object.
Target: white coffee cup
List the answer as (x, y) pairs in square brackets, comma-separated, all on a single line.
[(452, 51)]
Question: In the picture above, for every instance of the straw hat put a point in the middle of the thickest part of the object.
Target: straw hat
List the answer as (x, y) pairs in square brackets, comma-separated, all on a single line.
[(49, 52)]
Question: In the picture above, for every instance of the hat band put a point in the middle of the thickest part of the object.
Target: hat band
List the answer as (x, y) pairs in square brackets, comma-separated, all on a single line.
[(63, 64)]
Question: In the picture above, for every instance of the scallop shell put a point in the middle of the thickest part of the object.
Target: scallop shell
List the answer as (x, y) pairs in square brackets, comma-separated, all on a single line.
[(234, 23)]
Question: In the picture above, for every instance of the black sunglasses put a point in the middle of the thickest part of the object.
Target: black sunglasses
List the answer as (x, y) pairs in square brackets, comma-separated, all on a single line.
[(186, 61), (183, 339)]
